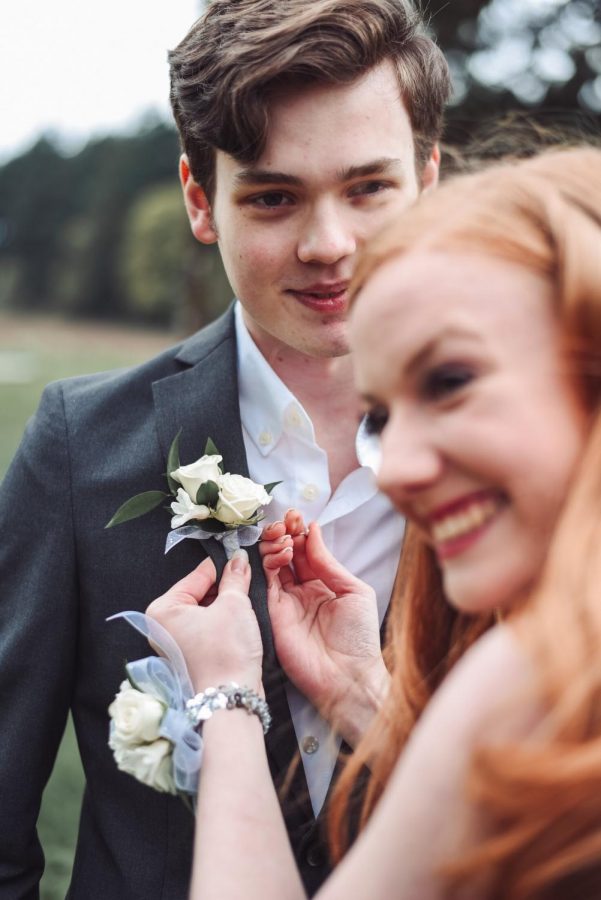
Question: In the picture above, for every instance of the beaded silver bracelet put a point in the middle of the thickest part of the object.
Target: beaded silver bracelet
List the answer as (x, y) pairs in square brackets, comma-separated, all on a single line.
[(227, 696)]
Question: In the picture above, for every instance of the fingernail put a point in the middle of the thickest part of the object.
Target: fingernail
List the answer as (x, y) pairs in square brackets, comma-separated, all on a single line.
[(282, 540), (286, 550), (239, 561)]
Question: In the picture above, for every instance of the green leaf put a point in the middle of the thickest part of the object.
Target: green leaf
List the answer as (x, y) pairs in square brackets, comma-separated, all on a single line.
[(211, 449), (187, 801), (207, 494), (137, 506), (272, 484), (173, 462)]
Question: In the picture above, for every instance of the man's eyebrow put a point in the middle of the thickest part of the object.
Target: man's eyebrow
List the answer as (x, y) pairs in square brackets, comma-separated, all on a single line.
[(265, 176), (382, 166), (385, 165)]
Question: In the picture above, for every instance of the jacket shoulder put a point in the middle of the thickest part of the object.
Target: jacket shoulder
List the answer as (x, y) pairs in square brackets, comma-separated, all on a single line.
[(131, 388)]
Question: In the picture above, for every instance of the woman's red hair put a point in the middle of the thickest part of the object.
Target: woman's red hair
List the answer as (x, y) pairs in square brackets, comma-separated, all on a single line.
[(544, 796)]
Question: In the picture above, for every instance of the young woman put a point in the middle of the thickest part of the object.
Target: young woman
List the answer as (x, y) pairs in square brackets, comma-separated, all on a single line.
[(476, 334)]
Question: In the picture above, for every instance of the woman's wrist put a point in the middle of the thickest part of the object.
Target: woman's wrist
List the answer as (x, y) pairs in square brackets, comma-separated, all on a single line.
[(228, 696), (358, 705), (201, 680)]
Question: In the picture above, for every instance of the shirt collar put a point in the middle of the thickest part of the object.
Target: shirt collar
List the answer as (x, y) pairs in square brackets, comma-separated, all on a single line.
[(267, 406)]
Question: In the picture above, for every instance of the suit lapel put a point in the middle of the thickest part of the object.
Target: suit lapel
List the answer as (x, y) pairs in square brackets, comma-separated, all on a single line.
[(202, 400)]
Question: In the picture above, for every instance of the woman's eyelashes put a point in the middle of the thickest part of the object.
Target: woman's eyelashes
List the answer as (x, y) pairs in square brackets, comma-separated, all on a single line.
[(446, 380), (437, 384), (375, 420)]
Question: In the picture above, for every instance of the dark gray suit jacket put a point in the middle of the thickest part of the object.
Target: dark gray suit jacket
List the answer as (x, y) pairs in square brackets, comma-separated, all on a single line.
[(94, 442)]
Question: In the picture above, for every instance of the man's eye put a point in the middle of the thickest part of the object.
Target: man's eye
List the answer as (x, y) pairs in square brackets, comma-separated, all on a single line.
[(271, 200), (375, 420), (446, 380), (369, 188)]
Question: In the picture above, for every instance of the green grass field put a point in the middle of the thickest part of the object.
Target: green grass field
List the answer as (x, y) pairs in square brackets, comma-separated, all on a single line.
[(32, 353)]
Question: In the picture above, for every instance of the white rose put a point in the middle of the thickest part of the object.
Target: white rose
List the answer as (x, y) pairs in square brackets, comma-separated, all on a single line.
[(239, 499), (136, 716), (149, 763), (184, 509), (204, 469)]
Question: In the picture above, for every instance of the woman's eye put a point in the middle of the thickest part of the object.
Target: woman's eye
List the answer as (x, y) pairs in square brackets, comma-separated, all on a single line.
[(375, 421), (446, 380), (367, 444)]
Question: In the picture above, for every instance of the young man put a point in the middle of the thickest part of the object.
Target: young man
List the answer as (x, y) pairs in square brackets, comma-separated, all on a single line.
[(305, 125)]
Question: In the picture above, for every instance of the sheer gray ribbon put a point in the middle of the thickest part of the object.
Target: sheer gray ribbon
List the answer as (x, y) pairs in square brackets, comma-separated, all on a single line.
[(232, 540), (166, 678)]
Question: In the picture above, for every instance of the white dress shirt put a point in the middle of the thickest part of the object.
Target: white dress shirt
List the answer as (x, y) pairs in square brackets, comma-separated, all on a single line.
[(359, 525)]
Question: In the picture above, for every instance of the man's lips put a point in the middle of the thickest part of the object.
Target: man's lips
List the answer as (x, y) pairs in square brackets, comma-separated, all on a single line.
[(323, 297)]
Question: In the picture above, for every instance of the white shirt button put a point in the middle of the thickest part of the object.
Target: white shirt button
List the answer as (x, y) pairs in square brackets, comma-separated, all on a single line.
[(310, 492), (293, 417), (310, 744), (265, 438)]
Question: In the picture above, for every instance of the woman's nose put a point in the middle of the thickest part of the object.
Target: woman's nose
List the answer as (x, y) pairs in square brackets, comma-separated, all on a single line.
[(409, 461)]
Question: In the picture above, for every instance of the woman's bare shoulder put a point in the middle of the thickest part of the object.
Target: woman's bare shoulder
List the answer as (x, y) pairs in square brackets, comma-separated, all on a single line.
[(493, 687)]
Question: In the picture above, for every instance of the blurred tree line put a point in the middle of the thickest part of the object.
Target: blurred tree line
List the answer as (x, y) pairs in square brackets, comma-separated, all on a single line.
[(103, 233)]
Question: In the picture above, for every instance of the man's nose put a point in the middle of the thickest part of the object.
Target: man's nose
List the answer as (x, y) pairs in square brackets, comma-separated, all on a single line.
[(410, 461), (326, 236)]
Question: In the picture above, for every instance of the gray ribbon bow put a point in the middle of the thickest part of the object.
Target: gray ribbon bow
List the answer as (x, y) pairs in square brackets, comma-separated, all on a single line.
[(232, 540)]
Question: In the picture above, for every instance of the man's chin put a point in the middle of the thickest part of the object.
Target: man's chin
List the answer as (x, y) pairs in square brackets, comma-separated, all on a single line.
[(328, 346), (332, 352)]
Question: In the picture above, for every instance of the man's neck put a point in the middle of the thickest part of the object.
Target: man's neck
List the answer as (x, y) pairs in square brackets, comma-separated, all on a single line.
[(325, 388)]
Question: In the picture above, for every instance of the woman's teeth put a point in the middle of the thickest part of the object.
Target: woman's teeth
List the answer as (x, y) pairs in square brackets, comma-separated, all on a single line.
[(469, 519)]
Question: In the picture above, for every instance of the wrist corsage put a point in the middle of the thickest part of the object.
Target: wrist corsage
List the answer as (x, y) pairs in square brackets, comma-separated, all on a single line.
[(156, 718), (229, 506)]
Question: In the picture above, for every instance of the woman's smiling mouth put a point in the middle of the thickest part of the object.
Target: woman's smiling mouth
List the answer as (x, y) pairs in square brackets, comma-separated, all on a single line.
[(455, 527)]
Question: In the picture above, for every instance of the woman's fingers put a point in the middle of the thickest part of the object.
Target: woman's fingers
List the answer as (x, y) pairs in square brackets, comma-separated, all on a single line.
[(273, 531), (327, 568), (302, 567), (190, 590), (294, 522), (235, 579), (276, 545)]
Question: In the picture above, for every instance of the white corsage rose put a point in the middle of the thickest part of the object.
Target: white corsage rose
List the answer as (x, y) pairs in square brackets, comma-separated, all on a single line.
[(240, 499), (204, 469), (149, 763), (136, 716), (212, 503), (184, 509)]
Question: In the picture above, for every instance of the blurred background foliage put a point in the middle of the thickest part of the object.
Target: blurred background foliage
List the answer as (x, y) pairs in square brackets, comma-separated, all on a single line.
[(102, 234)]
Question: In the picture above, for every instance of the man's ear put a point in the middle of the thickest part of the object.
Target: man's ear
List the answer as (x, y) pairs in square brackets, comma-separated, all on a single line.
[(431, 171), (197, 205)]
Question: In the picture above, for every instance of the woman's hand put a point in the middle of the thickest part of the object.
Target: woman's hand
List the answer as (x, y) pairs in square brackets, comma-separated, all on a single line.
[(325, 626), (221, 642)]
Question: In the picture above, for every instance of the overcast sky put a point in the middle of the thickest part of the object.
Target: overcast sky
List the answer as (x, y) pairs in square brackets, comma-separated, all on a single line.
[(80, 68)]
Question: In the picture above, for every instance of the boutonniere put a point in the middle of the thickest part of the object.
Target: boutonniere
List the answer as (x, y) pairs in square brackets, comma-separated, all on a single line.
[(229, 506)]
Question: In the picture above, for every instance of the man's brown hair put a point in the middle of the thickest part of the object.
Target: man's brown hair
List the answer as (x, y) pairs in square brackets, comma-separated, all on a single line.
[(241, 52)]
